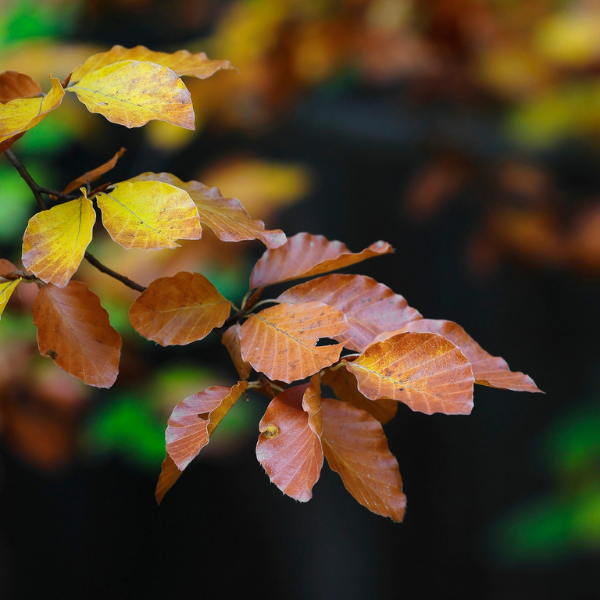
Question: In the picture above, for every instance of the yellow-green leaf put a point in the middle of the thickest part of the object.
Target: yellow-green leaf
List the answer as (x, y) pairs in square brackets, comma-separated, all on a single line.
[(55, 240), (133, 92), (149, 215), (6, 290)]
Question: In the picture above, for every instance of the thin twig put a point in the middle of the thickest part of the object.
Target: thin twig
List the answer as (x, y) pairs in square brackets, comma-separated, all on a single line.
[(104, 269), (24, 173)]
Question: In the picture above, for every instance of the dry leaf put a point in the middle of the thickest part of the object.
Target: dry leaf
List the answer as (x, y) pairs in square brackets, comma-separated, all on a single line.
[(231, 341), (15, 85), (169, 474), (94, 174)]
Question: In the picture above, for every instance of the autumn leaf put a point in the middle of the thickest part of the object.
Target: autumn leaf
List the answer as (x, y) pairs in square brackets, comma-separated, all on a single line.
[(169, 474), (305, 255), (6, 290), (74, 330), (225, 216), (370, 307), (15, 85), (181, 62), (179, 310), (489, 370), (289, 448), (281, 341), (132, 92), (95, 174), (356, 448), (194, 419), (6, 267), (149, 215), (231, 340), (424, 370), (344, 385), (55, 240)]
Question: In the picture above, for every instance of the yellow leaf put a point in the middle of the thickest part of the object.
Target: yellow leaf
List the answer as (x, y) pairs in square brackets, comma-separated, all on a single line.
[(132, 92), (149, 215), (181, 62), (55, 240), (6, 290), (22, 114)]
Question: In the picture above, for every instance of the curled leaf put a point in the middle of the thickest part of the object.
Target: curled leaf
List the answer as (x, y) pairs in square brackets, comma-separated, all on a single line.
[(15, 85), (94, 174), (6, 290), (169, 474), (231, 341)]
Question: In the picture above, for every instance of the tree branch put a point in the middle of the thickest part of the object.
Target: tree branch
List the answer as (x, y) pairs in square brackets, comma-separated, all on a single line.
[(24, 173), (104, 269)]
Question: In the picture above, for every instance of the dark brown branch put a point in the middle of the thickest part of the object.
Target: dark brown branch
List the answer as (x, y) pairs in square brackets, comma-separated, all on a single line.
[(24, 173), (104, 269)]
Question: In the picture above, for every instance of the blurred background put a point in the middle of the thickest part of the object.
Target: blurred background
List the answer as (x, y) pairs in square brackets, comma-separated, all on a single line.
[(464, 132)]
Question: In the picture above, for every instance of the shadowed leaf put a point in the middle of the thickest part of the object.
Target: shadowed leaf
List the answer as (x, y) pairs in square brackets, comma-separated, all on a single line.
[(169, 474), (231, 341), (94, 174), (15, 85), (6, 267)]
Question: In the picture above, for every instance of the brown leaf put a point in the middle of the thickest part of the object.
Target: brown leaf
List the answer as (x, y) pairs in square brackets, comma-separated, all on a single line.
[(424, 370), (356, 447), (194, 419), (489, 370), (288, 447), (305, 255), (169, 474), (179, 310), (15, 85), (94, 174), (6, 144), (281, 341), (370, 307), (74, 330), (6, 267), (231, 341), (344, 385)]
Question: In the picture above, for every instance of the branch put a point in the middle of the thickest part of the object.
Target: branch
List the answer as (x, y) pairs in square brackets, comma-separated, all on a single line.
[(24, 173), (104, 269)]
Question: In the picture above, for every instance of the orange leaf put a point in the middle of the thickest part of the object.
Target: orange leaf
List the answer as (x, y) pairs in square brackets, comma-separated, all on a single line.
[(194, 419), (356, 447), (288, 448), (281, 341), (95, 173), (345, 388), (74, 330), (169, 474), (424, 370), (179, 310), (231, 341), (6, 267), (15, 85), (370, 307), (305, 255), (489, 370)]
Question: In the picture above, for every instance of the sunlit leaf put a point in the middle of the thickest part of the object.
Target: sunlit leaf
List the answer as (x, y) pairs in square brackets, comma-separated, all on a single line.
[(424, 370), (149, 215), (94, 174), (74, 330), (55, 240), (179, 310), (169, 474), (231, 340), (132, 92), (305, 255), (281, 341), (15, 85), (6, 290)]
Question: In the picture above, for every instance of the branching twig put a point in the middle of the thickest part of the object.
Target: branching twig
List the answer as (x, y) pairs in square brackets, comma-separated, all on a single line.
[(104, 269)]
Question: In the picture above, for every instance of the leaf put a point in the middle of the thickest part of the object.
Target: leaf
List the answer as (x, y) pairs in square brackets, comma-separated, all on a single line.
[(489, 370), (231, 341), (181, 62), (305, 255), (6, 290), (345, 388), (179, 310), (6, 267), (149, 215), (132, 92), (225, 216), (424, 370), (370, 307), (74, 330), (55, 240), (288, 448), (95, 174), (15, 85), (356, 447), (194, 419), (169, 474), (280, 341), (21, 114)]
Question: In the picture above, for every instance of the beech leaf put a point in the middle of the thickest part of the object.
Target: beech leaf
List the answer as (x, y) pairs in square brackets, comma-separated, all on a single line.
[(94, 174), (55, 240), (6, 290), (169, 474), (289, 448), (149, 215), (281, 341), (194, 419), (74, 330), (370, 307), (424, 370), (179, 310), (231, 341), (356, 447), (6, 267), (15, 85), (305, 255), (133, 92)]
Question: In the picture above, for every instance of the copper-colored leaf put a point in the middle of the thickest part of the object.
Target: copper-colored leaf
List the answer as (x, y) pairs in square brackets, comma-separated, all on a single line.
[(231, 341), (281, 341), (94, 174), (7, 143), (288, 447), (370, 307), (6, 267), (74, 330), (15, 85), (179, 310), (169, 474), (225, 216), (424, 370), (488, 370), (356, 447), (305, 255), (194, 419), (344, 385)]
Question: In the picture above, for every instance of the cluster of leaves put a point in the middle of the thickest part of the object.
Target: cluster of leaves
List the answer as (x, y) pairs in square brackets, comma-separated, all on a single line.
[(294, 347)]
